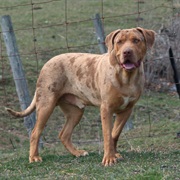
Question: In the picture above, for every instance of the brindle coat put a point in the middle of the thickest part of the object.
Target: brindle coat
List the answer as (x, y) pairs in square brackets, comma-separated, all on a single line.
[(113, 81)]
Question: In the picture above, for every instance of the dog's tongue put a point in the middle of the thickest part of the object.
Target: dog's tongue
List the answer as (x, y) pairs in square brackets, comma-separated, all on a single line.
[(129, 65)]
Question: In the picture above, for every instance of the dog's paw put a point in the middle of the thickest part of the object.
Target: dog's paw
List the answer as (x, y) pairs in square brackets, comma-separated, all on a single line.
[(79, 153), (35, 159), (109, 160), (119, 157)]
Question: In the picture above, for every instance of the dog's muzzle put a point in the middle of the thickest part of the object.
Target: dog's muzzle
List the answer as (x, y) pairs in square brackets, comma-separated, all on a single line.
[(128, 65)]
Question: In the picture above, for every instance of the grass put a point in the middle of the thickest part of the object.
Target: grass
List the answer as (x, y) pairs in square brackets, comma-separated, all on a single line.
[(149, 152), (144, 165), (150, 149)]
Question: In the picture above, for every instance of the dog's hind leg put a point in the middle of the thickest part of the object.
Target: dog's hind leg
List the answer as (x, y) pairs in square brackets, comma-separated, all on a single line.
[(73, 115), (44, 110)]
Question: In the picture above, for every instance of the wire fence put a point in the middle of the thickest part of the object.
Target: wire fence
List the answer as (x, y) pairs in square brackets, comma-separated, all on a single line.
[(45, 28)]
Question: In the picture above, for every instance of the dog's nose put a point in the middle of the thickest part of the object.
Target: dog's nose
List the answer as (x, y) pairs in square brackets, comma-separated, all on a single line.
[(127, 52)]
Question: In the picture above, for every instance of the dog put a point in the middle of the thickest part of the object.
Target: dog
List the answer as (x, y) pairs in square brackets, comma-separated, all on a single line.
[(113, 81)]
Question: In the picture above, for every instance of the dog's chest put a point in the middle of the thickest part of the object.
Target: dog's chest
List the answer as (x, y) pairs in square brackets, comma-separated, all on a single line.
[(126, 101)]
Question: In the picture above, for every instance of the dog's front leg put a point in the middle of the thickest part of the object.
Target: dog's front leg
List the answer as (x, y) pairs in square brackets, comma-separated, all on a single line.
[(109, 152), (120, 121)]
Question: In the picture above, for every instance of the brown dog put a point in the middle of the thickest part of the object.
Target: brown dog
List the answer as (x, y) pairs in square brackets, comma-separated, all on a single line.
[(113, 81)]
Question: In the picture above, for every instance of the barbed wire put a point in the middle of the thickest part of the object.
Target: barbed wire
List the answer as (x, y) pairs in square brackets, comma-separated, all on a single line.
[(67, 22)]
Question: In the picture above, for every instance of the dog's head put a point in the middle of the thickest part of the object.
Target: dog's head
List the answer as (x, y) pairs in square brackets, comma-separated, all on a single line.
[(128, 46)]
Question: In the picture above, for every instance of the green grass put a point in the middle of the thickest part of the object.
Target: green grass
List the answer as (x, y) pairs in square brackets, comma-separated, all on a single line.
[(151, 149), (144, 165), (149, 152)]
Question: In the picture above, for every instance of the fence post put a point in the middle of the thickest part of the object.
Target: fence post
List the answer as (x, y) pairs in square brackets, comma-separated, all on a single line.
[(100, 33), (176, 75), (18, 72)]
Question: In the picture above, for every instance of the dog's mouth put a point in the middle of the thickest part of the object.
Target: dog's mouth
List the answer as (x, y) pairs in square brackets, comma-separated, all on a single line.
[(128, 65)]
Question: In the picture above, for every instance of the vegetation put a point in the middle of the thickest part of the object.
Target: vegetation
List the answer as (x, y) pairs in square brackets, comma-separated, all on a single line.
[(144, 165)]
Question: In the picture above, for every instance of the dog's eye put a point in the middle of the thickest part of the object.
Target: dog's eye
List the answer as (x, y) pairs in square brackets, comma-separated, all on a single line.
[(120, 42), (135, 41)]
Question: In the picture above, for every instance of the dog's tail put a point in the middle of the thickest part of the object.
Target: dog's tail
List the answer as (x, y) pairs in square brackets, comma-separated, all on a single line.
[(26, 112)]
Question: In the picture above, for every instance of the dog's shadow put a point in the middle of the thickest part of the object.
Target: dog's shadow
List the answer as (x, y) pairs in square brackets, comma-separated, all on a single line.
[(95, 157), (66, 159), (92, 158)]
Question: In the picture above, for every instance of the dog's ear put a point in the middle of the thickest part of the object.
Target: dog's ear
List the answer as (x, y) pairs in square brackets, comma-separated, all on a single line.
[(149, 36), (110, 40)]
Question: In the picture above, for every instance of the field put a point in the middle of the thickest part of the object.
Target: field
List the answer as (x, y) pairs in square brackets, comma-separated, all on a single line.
[(150, 149)]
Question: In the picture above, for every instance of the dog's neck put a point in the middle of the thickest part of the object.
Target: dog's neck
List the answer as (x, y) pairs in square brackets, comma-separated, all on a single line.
[(132, 77), (133, 80)]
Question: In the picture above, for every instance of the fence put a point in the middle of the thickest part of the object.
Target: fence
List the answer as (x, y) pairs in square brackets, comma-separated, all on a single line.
[(50, 27)]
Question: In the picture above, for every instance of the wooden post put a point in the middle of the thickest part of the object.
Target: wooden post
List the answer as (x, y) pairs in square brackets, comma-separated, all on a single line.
[(18, 72), (100, 33)]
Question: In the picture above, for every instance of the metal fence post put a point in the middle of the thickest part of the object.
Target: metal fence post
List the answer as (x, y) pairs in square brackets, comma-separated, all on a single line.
[(176, 75)]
